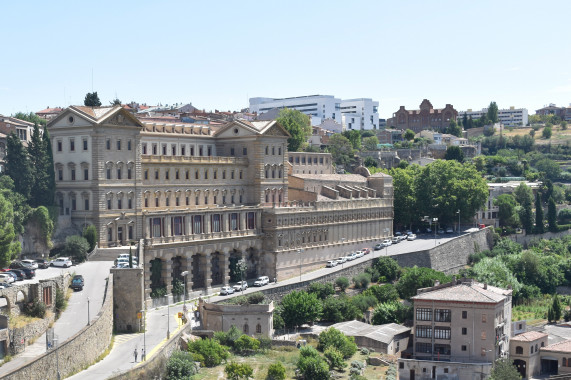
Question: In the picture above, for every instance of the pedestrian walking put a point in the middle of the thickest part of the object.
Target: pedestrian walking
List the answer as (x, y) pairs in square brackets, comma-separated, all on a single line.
[(143, 355), (135, 353)]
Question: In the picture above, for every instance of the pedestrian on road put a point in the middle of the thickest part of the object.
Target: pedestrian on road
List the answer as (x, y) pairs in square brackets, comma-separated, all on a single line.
[(143, 355), (135, 353)]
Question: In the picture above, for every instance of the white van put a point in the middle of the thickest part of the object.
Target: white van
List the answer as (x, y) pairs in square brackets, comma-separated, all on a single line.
[(261, 281)]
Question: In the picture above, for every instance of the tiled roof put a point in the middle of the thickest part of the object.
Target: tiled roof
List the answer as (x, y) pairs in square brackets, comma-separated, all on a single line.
[(465, 291), (50, 110), (95, 112), (383, 333), (529, 336), (563, 346)]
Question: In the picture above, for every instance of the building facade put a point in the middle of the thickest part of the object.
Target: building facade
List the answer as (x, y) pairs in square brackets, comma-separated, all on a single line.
[(511, 117), (563, 112), (360, 114), (524, 352), (201, 197), (427, 117), (460, 329), (252, 320), (310, 163)]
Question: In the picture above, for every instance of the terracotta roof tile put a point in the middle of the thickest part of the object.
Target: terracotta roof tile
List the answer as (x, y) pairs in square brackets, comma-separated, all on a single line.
[(529, 336), (564, 346), (465, 291)]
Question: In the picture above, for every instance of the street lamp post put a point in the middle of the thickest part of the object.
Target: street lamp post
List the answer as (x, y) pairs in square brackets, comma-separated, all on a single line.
[(184, 274), (435, 220), (168, 321), (386, 245), (300, 251), (144, 323), (342, 261), (458, 212), (242, 267), (88, 319), (56, 341)]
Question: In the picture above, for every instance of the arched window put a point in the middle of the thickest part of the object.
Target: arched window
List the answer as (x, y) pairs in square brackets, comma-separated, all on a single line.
[(564, 362), (258, 329), (246, 329), (519, 350)]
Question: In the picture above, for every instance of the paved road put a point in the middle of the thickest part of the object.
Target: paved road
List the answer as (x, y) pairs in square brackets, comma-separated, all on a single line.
[(75, 316)]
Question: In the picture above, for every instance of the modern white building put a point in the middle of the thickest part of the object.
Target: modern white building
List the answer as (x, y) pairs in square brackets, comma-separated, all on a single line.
[(318, 107), (361, 113), (512, 117)]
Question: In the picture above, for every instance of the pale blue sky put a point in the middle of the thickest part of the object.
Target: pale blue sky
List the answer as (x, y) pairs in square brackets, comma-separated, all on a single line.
[(217, 54)]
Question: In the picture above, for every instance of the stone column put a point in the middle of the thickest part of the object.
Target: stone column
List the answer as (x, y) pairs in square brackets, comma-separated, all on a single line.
[(187, 226), (167, 273), (187, 266), (224, 221), (225, 267), (168, 231), (207, 227), (147, 227), (207, 257), (242, 217), (147, 279)]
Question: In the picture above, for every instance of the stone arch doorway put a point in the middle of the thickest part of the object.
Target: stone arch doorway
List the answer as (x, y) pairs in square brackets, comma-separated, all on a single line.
[(252, 262), (217, 270), (20, 300), (157, 269), (197, 273), (521, 367)]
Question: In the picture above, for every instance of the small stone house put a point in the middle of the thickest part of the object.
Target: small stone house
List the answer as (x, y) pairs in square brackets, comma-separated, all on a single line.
[(252, 320)]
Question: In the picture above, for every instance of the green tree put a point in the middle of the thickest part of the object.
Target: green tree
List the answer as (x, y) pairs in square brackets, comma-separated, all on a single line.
[(9, 249), (387, 267), (493, 112), (236, 371), (92, 100), (405, 196), (39, 163), (115, 102), (495, 272), (532, 133), (453, 152), (539, 228), (409, 135), (391, 312), (362, 280), (180, 366), (524, 196), (276, 371), (504, 370), (465, 121), (354, 137), (90, 234), (19, 203), (18, 166), (76, 247), (245, 344), (383, 293), (40, 217), (552, 215), (546, 134), (443, 187), (332, 337), (551, 168), (339, 309), (454, 129), (507, 209), (299, 307), (322, 291), (563, 125), (419, 277), (370, 143), (335, 358), (298, 126), (51, 176), (30, 117), (343, 283), (370, 162), (556, 308), (341, 150), (311, 365), (211, 351)]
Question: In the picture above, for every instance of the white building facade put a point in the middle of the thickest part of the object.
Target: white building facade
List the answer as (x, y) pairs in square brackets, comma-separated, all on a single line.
[(512, 117), (360, 114)]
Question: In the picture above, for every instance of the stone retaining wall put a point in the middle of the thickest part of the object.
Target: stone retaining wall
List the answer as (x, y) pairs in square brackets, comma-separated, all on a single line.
[(447, 257), (155, 366), (526, 239), (76, 353), (24, 336)]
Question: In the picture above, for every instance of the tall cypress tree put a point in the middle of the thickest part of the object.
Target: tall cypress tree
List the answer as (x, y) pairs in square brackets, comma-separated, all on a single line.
[(539, 228), (18, 165), (552, 215), (51, 174), (37, 158)]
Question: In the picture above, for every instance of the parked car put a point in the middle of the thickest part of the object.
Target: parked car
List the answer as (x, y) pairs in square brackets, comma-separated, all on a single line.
[(43, 263), (6, 278), (226, 290), (18, 265), (352, 256), (28, 272), (348, 258), (77, 282), (241, 285), (4, 285), (378, 247), (14, 275), (449, 230), (20, 275), (64, 262), (31, 263), (402, 237), (440, 231), (395, 240), (366, 251), (398, 234), (358, 254), (342, 260), (411, 237), (387, 242), (331, 263), (261, 281)]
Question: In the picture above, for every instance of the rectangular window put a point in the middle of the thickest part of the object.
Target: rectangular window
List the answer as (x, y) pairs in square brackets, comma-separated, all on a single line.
[(73, 204), (423, 332), (192, 150), (85, 174), (187, 200), (108, 144), (234, 224), (464, 314), (72, 145), (464, 348), (128, 144), (231, 151), (173, 150), (108, 204), (156, 174), (183, 150), (209, 151), (60, 175), (484, 318), (156, 227), (146, 174), (423, 314), (216, 223), (129, 203), (244, 151), (144, 148), (86, 204), (119, 203), (214, 174), (156, 201), (118, 173), (483, 335), (442, 315), (223, 174), (197, 225), (59, 146), (176, 174), (232, 174), (164, 149), (84, 144), (251, 218), (464, 331), (177, 201), (167, 172), (146, 202), (441, 333), (206, 199), (155, 149), (442, 349), (108, 173), (73, 174), (118, 144), (129, 173), (240, 174), (177, 225), (423, 348), (201, 151), (187, 175)]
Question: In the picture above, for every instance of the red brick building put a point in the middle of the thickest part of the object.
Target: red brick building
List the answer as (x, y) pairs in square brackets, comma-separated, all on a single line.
[(425, 118)]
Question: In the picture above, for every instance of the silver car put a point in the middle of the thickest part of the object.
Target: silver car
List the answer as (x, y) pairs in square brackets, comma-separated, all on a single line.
[(242, 285), (226, 290)]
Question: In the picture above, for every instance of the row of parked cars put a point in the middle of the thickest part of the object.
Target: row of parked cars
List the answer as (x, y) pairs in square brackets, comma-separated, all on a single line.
[(350, 257), (122, 261), (20, 270), (243, 285)]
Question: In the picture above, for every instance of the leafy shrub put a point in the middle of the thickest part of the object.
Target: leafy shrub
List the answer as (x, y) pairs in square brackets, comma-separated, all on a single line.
[(416, 278), (387, 267), (364, 301), (177, 287), (313, 367), (383, 293), (236, 371), (245, 345), (36, 309), (212, 352), (61, 302), (335, 358), (391, 312), (90, 234), (339, 309), (256, 298), (265, 343), (159, 292), (358, 364), (322, 291), (181, 366), (375, 275), (364, 351), (335, 338), (76, 247), (362, 280), (342, 283), (228, 338), (276, 371)]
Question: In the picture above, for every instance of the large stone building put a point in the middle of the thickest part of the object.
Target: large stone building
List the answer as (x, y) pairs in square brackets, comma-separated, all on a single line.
[(460, 329), (427, 117), (201, 197)]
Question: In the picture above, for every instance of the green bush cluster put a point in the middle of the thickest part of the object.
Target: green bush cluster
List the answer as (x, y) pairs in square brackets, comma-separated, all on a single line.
[(181, 366), (36, 309), (210, 352)]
